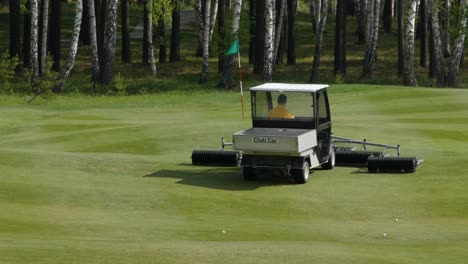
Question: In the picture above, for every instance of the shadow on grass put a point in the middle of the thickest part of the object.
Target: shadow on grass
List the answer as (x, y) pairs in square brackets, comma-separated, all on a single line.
[(221, 178)]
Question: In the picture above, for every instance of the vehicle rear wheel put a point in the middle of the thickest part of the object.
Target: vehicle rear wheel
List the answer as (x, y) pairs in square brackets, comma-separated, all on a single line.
[(301, 176), (249, 174)]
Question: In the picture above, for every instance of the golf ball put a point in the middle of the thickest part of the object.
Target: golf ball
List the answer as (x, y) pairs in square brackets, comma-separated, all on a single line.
[(385, 234), (396, 219), (224, 231)]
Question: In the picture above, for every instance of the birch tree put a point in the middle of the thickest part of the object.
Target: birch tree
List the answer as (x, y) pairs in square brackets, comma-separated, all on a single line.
[(213, 16), (34, 39), (149, 38), (321, 11), (409, 79), (269, 29), (372, 37), (206, 40), (45, 26), (63, 76), (27, 25), (110, 30)]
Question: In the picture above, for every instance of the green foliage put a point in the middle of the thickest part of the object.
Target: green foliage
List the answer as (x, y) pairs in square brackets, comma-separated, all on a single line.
[(118, 86), (7, 71), (43, 85), (162, 9)]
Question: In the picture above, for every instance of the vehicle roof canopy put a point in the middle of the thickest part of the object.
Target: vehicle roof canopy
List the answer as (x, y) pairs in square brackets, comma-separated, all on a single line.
[(289, 87)]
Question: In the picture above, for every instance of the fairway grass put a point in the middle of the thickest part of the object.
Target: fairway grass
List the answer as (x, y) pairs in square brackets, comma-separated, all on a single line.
[(109, 180)]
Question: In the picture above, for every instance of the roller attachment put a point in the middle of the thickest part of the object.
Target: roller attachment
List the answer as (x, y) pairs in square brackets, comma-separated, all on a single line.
[(392, 164), (215, 158), (354, 158)]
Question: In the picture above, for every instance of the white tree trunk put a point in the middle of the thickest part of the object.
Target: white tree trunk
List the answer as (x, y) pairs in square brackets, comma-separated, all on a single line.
[(45, 25), (63, 76), (149, 33), (372, 37), (213, 15), (409, 78), (320, 27), (236, 14), (93, 41), (34, 38), (206, 46), (269, 26)]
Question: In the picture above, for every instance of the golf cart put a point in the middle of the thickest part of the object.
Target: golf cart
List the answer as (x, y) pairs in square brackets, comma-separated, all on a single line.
[(292, 133)]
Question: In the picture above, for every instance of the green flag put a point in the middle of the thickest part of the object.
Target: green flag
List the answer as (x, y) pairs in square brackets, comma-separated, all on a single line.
[(233, 49)]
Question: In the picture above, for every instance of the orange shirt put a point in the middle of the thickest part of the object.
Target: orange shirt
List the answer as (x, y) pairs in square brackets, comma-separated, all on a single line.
[(280, 111)]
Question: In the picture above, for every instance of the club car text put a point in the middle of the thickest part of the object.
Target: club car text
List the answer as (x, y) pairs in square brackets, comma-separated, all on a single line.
[(265, 140)]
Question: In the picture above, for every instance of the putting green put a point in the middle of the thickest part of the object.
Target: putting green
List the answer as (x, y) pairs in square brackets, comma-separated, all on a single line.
[(109, 180)]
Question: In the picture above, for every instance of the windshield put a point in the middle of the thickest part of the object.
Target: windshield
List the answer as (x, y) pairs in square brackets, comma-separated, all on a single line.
[(288, 108)]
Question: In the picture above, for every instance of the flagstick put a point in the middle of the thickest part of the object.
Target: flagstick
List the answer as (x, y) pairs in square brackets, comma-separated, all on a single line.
[(240, 82)]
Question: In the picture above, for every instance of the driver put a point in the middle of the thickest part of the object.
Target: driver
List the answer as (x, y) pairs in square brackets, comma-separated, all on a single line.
[(281, 111)]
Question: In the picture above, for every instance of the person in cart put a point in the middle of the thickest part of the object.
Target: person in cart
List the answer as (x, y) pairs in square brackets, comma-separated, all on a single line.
[(281, 110)]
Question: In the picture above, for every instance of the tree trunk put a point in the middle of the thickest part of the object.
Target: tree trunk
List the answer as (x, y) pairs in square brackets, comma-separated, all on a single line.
[(162, 41), (372, 37), (213, 16), (149, 38), (45, 27), (321, 21), (444, 19), (438, 48), (259, 38), (15, 29), (292, 10), (361, 7), (387, 16), (126, 55), (84, 32), (27, 36), (423, 34), (452, 80), (96, 71), (222, 44), (62, 77), (269, 28), (432, 55), (252, 26), (206, 41), (400, 37), (199, 18), (108, 56), (278, 30), (340, 38), (146, 30), (409, 79), (174, 54), (55, 28), (34, 39)]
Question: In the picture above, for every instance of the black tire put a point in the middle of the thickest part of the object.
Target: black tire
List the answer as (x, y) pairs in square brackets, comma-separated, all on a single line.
[(331, 160), (249, 174), (301, 176)]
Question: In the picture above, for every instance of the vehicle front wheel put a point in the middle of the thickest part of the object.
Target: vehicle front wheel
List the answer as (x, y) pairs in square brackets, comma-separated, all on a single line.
[(301, 176)]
